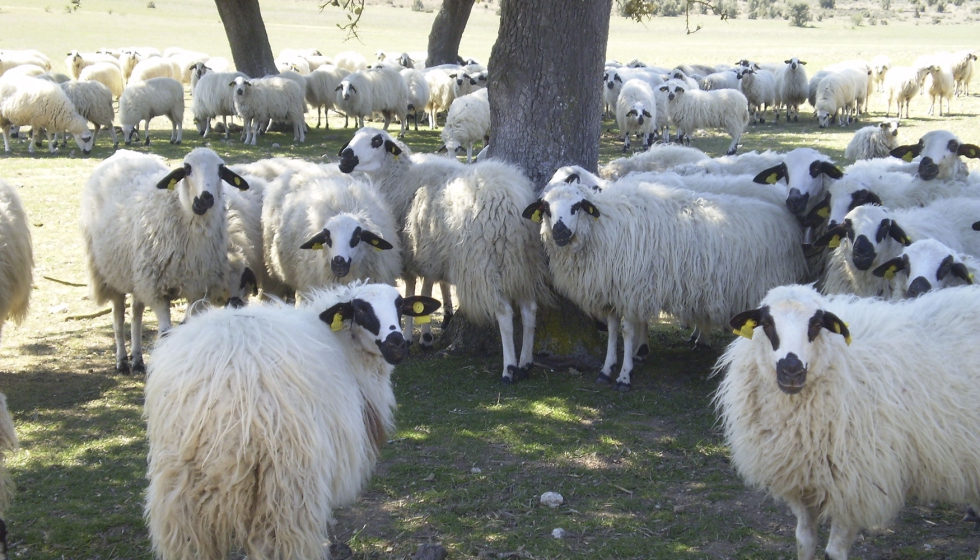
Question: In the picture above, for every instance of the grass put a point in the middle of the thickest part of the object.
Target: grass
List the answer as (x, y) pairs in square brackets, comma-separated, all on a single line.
[(644, 475)]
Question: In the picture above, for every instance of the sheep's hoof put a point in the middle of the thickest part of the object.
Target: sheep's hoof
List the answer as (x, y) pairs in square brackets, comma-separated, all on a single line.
[(971, 517), (426, 342), (603, 378), (623, 387), (796, 118), (642, 352), (626, 148), (147, 143), (731, 152), (446, 319), (138, 366), (763, 121), (177, 142), (172, 141), (122, 366), (519, 373), (507, 380)]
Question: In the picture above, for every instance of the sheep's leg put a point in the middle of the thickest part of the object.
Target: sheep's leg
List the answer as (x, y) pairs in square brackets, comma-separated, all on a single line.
[(318, 107), (426, 338), (447, 303), (34, 137), (432, 119), (409, 331), (529, 313), (52, 139), (118, 323), (841, 539), (162, 311), (469, 153), (623, 382), (505, 321), (136, 336), (112, 132), (806, 530), (254, 131), (733, 147), (146, 131), (612, 328), (6, 138), (641, 342)]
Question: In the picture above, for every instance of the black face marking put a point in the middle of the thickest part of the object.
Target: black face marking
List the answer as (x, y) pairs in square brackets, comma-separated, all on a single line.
[(953, 146), (882, 230), (769, 327), (356, 237), (365, 316), (813, 328), (944, 267), (573, 177), (187, 170), (377, 141)]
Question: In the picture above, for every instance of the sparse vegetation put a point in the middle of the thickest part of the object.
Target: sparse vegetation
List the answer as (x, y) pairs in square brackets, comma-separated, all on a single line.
[(799, 14), (418, 6)]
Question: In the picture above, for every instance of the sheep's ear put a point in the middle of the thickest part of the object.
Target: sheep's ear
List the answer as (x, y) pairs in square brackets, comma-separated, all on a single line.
[(248, 279), (392, 148), (171, 180), (862, 197), (616, 78), (891, 268), (342, 148), (818, 213), (959, 270), (374, 240), (898, 234), (417, 306), (944, 267), (443, 149), (537, 209), (906, 153), (573, 178), (232, 178), (338, 88), (832, 238), (772, 175), (882, 232), (803, 63), (825, 167), (968, 150), (647, 114), (745, 322), (833, 324), (336, 315), (318, 241), (482, 77), (787, 61), (353, 89), (589, 207), (663, 88), (631, 113), (679, 89), (976, 226)]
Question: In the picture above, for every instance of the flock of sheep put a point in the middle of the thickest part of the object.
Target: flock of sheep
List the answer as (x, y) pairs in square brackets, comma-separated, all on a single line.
[(263, 417)]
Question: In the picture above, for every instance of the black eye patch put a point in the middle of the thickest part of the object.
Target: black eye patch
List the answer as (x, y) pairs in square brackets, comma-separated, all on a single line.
[(187, 170), (377, 141), (356, 237), (953, 146), (365, 316)]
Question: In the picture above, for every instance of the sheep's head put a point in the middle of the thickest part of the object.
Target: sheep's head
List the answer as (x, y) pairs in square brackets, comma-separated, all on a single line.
[(367, 151), (793, 319), (805, 171), (638, 113), (345, 89), (84, 140), (923, 266), (868, 230), (939, 152), (612, 79), (198, 181), (795, 63), (834, 207), (372, 313), (574, 174), (344, 239), (673, 89), (565, 212), (241, 86)]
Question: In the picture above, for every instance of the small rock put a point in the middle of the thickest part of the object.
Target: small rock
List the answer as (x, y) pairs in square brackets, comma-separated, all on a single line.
[(60, 308), (573, 372), (558, 533), (680, 509), (275, 145), (552, 499), (431, 552), (476, 470), (430, 478)]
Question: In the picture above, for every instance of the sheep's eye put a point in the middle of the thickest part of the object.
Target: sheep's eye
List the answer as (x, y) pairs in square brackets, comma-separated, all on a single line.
[(377, 141), (187, 169), (953, 146)]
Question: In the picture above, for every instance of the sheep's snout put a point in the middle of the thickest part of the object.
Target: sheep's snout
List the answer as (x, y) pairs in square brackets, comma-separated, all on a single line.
[(394, 349), (610, 84), (561, 233), (796, 201), (348, 161), (928, 170), (790, 374), (918, 287), (670, 96), (793, 66), (863, 254), (202, 203), (340, 266)]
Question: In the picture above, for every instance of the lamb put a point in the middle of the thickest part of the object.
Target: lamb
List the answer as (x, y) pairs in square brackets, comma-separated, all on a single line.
[(451, 233), (278, 414), (902, 84), (16, 269), (78, 60), (938, 152), (273, 98), (942, 85), (144, 100), (128, 200), (586, 235), (927, 264), (691, 110), (877, 406), (879, 67), (214, 97), (42, 105), (350, 61), (8, 443), (320, 87), (468, 122), (636, 112), (93, 101), (657, 158), (159, 67), (106, 74), (759, 87), (418, 92), (874, 141)]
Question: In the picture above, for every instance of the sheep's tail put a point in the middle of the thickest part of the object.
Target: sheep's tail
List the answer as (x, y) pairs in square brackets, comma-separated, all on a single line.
[(8, 442)]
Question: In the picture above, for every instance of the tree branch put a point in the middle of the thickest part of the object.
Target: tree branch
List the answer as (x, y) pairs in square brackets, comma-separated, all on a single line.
[(354, 9)]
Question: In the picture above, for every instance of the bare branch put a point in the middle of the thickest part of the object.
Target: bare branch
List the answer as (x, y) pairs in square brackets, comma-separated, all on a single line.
[(354, 9)]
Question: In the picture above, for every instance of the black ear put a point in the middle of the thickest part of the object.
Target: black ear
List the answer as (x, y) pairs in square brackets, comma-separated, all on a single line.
[(906, 153), (832, 238), (573, 178), (944, 267), (803, 63), (392, 148), (663, 88), (336, 315), (745, 322), (968, 150), (882, 230), (787, 61), (891, 268), (833, 324), (442, 149), (172, 178), (232, 178), (338, 88), (818, 213), (976, 226), (342, 148), (862, 197), (248, 279), (590, 208), (831, 170), (318, 241), (536, 210), (772, 175), (417, 306), (647, 114), (375, 241), (959, 270), (898, 234), (631, 113)]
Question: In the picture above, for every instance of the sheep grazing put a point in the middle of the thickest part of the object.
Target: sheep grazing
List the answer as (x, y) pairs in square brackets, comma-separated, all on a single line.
[(840, 94), (276, 414), (259, 101), (876, 405), (320, 87), (8, 443), (42, 105), (418, 92), (213, 98), (467, 122), (874, 141), (93, 101), (925, 265), (16, 261), (131, 198), (879, 67), (901, 85), (691, 110), (658, 158), (938, 153), (142, 101), (462, 224), (759, 87), (636, 112)]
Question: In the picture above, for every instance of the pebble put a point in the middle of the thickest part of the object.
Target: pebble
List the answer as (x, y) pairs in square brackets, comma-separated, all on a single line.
[(552, 499), (476, 470), (558, 533)]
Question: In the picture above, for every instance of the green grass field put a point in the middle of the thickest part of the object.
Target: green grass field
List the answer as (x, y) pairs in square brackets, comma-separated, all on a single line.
[(644, 475)]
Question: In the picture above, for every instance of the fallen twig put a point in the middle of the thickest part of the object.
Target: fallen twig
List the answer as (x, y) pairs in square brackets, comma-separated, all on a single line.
[(99, 313), (65, 282)]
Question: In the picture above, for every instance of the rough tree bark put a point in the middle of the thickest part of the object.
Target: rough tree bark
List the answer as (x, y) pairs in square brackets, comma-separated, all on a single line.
[(247, 36), (447, 31)]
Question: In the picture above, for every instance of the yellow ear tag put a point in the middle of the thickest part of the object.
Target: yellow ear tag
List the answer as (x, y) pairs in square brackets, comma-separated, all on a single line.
[(423, 319), (972, 153), (375, 243), (417, 307), (847, 340), (890, 273), (396, 157), (171, 185), (970, 276), (824, 213), (238, 182), (747, 329), (338, 322), (908, 157), (834, 242), (772, 179), (536, 217), (317, 247)]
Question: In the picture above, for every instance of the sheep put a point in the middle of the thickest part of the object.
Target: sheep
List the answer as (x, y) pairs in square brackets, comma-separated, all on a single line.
[(93, 101), (214, 97), (927, 264), (441, 94), (295, 64), (77, 60), (725, 79), (330, 229), (129, 59), (878, 405), (353, 98), (159, 67), (465, 84), (418, 92), (129, 201), (759, 87), (614, 78), (144, 100), (247, 269), (389, 96), (961, 63), (320, 87), (106, 74), (11, 59), (8, 443), (808, 175), (619, 267), (657, 158), (691, 110), (636, 112), (185, 60), (938, 152), (880, 66), (874, 141), (467, 122), (942, 85), (42, 105), (837, 96), (56, 77), (25, 70), (902, 84), (462, 224), (277, 414), (259, 101), (16, 266), (350, 61), (680, 75)]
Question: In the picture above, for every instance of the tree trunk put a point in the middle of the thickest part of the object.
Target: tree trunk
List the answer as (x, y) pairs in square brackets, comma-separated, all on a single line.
[(447, 31), (247, 37)]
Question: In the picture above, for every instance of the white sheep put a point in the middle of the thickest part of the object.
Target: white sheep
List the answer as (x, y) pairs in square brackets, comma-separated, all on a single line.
[(962, 63), (8, 443), (901, 85), (874, 141), (462, 225), (660, 157), (16, 266), (389, 95), (142, 101), (108, 75), (808, 175), (614, 78), (26, 70), (441, 91), (418, 92), (690, 110), (277, 414), (465, 84), (350, 60), (838, 95), (248, 274), (636, 111), (78, 60), (353, 97), (941, 85), (185, 60), (272, 98), (93, 101), (938, 153), (42, 105), (467, 122), (748, 163), (615, 253), (876, 404), (132, 198), (214, 97), (759, 87), (11, 59), (159, 67), (321, 85), (293, 63), (925, 265), (879, 67), (725, 79)]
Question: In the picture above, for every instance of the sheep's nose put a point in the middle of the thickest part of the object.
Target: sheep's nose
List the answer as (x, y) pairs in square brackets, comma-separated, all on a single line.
[(928, 169), (670, 97), (790, 374), (918, 287), (561, 234), (348, 161), (796, 202), (609, 85), (863, 254), (202, 203), (340, 266), (394, 349)]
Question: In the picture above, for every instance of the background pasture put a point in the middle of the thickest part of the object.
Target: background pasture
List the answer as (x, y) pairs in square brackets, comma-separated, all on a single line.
[(644, 475)]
